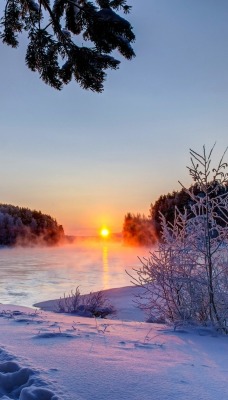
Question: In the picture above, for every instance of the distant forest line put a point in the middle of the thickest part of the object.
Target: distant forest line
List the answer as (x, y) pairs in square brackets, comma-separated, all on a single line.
[(25, 227), (139, 230)]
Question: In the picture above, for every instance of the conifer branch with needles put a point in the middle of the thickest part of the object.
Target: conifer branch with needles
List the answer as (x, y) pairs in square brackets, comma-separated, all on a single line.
[(55, 31)]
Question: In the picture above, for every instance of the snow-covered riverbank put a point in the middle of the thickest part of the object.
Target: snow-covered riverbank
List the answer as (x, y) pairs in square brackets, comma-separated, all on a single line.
[(49, 356)]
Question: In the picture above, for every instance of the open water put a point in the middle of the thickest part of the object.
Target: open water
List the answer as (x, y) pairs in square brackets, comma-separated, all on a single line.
[(30, 275)]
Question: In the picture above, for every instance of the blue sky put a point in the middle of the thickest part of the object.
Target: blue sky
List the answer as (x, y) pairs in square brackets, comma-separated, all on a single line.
[(87, 159)]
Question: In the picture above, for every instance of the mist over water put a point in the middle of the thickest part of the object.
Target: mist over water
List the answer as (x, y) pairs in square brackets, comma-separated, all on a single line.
[(30, 275)]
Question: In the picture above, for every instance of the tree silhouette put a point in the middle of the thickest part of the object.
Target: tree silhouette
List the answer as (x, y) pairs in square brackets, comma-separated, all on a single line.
[(56, 32)]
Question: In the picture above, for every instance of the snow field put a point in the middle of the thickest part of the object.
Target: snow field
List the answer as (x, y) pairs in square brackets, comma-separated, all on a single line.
[(49, 356)]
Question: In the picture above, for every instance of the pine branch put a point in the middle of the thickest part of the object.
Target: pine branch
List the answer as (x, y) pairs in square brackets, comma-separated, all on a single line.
[(105, 29)]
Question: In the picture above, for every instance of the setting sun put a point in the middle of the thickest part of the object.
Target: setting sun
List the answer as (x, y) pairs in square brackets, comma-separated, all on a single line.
[(104, 232)]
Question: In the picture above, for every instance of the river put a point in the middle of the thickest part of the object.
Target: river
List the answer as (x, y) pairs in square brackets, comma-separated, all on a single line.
[(30, 275)]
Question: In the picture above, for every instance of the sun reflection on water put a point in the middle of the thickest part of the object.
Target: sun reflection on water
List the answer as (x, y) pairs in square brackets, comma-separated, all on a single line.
[(105, 267), (30, 275)]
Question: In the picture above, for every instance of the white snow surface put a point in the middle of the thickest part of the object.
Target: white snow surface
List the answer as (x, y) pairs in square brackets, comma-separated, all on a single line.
[(51, 356)]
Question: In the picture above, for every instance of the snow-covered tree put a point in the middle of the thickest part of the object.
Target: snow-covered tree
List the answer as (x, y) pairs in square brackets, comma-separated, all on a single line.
[(187, 277), (57, 31), (138, 230), (19, 225)]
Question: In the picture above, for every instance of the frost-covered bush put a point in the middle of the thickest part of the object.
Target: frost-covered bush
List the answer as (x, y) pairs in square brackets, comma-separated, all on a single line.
[(91, 305), (186, 279), (69, 303)]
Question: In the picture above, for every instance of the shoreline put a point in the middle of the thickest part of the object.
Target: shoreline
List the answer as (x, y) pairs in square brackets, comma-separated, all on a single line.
[(122, 299)]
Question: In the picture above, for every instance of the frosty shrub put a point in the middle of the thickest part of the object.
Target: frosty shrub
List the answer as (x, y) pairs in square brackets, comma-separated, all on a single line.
[(186, 279), (91, 305), (69, 303)]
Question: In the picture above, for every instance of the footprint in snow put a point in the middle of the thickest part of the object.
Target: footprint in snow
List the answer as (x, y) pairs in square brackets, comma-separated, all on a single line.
[(29, 321), (19, 383), (33, 393), (148, 345), (49, 335)]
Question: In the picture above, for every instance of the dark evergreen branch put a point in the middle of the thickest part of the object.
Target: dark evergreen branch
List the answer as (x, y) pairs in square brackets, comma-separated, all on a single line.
[(103, 28)]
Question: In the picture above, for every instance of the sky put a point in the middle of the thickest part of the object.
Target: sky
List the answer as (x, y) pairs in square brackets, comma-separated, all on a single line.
[(86, 158)]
